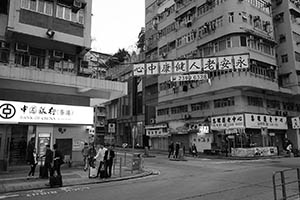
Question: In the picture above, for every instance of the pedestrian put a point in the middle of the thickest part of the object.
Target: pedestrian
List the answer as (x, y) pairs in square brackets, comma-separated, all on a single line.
[(289, 149), (91, 155), (100, 158), (29, 150), (85, 153), (171, 149), (33, 161), (57, 161), (194, 150), (48, 159), (177, 146), (109, 159)]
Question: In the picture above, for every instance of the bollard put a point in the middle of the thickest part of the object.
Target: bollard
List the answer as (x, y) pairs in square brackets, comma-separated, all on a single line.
[(125, 159), (114, 166), (120, 167)]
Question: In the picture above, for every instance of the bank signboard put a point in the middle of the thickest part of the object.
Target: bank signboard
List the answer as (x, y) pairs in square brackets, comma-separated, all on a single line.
[(24, 112)]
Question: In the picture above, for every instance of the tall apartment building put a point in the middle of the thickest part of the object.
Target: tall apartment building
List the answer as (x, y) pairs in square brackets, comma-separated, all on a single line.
[(43, 94), (235, 108)]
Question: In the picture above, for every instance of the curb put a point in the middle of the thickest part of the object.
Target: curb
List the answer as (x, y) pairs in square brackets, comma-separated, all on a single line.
[(144, 174)]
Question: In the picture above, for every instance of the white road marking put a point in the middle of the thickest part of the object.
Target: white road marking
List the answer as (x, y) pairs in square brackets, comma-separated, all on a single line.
[(9, 196)]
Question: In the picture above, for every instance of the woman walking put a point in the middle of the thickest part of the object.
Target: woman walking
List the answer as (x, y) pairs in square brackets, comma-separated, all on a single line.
[(33, 160)]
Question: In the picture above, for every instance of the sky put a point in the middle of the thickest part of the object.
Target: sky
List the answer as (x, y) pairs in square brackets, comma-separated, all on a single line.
[(116, 24)]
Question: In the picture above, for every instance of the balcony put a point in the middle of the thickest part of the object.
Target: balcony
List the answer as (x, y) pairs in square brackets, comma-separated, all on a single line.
[(45, 80)]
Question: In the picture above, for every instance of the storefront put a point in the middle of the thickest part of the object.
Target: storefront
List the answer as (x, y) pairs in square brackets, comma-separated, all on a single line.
[(158, 136), (201, 136), (47, 123), (250, 135), (228, 132)]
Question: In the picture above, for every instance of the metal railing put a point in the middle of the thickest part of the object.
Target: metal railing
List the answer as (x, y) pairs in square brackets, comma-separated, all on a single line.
[(286, 182)]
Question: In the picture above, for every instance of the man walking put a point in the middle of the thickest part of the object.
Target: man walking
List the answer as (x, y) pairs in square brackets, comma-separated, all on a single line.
[(48, 159), (58, 161), (100, 158), (85, 153), (109, 159)]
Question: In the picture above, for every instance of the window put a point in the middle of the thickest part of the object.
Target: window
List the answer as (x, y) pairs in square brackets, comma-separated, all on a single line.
[(179, 109), (228, 42), (164, 111), (32, 5), (297, 56), (284, 58), (243, 41), (59, 12), (65, 13), (200, 106), (225, 102), (39, 6), (231, 17), (255, 101)]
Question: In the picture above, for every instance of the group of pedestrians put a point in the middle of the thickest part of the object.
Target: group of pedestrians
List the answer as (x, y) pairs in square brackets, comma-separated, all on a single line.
[(53, 160), (176, 150), (104, 156)]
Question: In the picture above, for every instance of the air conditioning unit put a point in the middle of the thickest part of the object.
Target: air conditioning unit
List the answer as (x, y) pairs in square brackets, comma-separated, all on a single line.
[(22, 47), (77, 4), (152, 120), (58, 54), (164, 54)]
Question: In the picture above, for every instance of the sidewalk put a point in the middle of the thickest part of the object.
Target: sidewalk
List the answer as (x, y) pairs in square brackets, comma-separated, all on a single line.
[(16, 179)]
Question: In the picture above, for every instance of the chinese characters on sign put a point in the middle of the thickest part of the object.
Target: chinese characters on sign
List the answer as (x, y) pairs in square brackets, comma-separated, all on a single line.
[(193, 65), (265, 121), (24, 112), (296, 123), (227, 122)]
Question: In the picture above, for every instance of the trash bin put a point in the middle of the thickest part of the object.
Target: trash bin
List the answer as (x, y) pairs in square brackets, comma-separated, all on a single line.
[(136, 161)]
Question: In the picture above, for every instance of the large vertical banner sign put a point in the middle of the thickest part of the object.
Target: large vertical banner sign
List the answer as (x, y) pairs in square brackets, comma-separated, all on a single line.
[(165, 67), (152, 68), (210, 64), (195, 65), (139, 69), (225, 63), (180, 66), (241, 61), (24, 112)]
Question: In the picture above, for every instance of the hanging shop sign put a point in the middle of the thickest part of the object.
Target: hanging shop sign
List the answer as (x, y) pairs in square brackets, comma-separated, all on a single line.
[(192, 65), (156, 133), (189, 77), (258, 121), (227, 122), (24, 112), (296, 123)]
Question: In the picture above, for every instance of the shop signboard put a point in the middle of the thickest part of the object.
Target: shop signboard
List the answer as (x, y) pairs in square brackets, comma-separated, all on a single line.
[(258, 121), (24, 112), (227, 122), (295, 122)]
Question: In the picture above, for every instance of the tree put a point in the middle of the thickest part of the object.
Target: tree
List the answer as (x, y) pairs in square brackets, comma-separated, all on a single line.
[(141, 40), (120, 57)]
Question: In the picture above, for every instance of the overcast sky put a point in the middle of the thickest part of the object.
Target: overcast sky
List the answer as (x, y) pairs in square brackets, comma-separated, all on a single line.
[(116, 24)]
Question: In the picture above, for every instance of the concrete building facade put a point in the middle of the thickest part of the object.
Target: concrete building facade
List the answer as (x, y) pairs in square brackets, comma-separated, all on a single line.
[(44, 94), (242, 109)]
